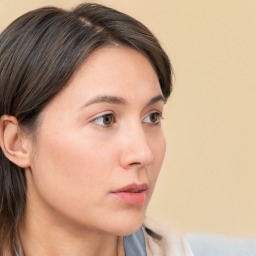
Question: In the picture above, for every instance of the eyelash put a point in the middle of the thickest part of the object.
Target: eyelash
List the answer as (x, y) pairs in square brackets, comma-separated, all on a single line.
[(112, 119), (159, 118), (104, 116)]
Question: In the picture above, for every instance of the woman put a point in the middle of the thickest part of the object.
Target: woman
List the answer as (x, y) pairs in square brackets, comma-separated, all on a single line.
[(82, 94)]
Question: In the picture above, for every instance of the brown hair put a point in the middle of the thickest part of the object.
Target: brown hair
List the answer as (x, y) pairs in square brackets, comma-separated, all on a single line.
[(39, 52)]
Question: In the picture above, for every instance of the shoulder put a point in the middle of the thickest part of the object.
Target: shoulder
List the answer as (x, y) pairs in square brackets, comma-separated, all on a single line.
[(161, 242), (221, 245)]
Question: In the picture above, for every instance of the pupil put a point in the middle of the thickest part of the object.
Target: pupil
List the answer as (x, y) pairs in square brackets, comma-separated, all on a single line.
[(154, 117), (107, 120)]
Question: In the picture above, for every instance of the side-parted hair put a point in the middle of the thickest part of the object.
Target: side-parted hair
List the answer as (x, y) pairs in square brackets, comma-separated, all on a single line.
[(39, 52)]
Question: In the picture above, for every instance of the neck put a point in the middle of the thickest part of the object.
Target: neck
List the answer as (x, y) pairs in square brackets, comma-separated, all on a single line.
[(54, 241)]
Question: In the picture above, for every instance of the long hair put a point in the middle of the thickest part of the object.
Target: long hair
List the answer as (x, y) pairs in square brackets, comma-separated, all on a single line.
[(39, 52)]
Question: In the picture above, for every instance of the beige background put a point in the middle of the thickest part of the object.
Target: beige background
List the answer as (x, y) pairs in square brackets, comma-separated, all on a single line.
[(208, 179)]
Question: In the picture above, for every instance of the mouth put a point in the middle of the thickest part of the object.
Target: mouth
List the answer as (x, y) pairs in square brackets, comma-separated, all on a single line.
[(133, 194)]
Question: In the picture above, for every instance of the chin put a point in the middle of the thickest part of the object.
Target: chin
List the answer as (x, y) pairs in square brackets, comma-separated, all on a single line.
[(128, 224)]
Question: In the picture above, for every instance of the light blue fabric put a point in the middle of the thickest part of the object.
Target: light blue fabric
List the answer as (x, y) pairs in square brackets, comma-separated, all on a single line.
[(217, 245), (134, 244)]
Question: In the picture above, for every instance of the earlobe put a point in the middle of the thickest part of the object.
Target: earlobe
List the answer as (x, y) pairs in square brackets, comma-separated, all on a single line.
[(13, 143)]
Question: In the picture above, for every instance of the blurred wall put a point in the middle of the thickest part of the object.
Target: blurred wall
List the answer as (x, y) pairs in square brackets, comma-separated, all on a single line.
[(208, 178)]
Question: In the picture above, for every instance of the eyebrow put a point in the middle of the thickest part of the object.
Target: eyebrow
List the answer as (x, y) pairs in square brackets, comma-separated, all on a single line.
[(156, 99), (119, 100), (105, 99)]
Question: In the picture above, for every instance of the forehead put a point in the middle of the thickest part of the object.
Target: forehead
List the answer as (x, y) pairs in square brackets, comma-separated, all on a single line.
[(112, 66), (121, 72)]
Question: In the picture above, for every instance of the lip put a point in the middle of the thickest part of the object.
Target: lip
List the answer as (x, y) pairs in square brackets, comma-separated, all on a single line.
[(133, 194)]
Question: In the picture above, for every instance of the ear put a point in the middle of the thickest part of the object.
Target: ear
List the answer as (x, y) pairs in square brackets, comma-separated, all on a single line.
[(13, 144)]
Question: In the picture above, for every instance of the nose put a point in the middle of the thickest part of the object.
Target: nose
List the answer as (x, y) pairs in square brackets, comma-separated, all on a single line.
[(135, 148)]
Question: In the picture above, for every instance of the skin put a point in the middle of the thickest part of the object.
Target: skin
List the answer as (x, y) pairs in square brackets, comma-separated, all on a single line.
[(85, 148)]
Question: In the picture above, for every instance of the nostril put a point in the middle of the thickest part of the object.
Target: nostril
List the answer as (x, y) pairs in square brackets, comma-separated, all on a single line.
[(135, 163)]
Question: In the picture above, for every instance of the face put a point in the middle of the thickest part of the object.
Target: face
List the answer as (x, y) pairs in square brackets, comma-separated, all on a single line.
[(99, 145)]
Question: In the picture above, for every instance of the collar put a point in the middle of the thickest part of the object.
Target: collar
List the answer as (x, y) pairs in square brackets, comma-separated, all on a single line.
[(134, 244)]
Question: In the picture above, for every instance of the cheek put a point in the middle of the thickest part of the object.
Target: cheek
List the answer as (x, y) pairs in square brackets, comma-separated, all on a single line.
[(158, 147), (66, 170), (68, 153)]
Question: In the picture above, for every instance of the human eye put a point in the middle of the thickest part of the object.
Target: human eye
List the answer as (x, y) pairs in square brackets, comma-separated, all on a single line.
[(153, 118), (104, 120)]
